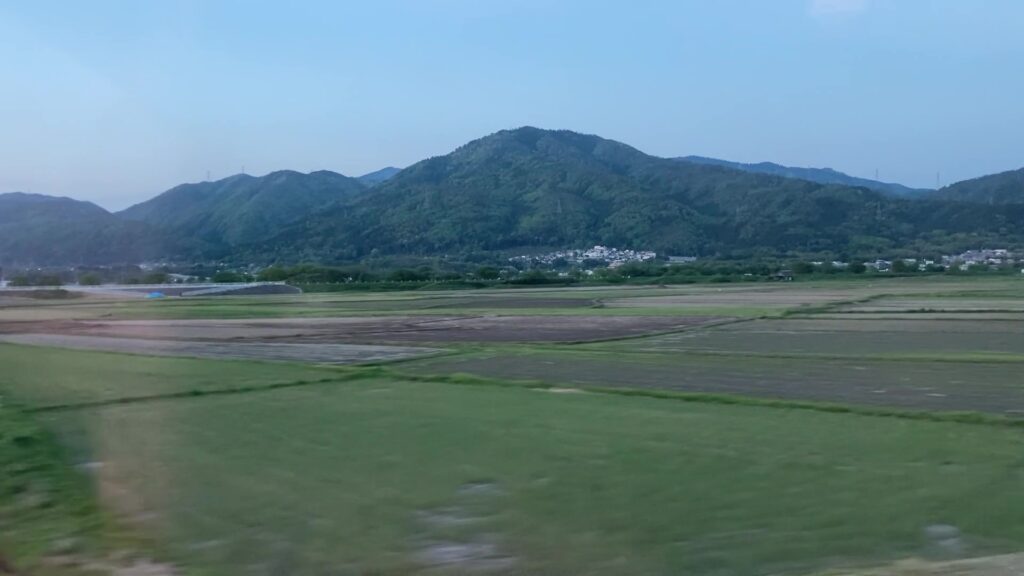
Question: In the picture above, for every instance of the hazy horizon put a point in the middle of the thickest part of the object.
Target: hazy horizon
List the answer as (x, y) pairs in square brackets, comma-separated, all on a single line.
[(114, 102)]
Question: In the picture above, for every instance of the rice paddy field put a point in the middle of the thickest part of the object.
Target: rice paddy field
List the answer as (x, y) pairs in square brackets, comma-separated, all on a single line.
[(792, 428)]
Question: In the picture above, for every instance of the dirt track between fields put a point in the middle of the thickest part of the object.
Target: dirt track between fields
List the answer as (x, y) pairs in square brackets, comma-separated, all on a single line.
[(371, 330), (286, 352)]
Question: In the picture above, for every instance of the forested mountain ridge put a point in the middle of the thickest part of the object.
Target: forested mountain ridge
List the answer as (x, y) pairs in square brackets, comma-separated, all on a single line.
[(819, 175), (242, 209), (1003, 188), (38, 230)]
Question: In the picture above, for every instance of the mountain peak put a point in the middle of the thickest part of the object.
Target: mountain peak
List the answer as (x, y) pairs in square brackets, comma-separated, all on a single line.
[(560, 145)]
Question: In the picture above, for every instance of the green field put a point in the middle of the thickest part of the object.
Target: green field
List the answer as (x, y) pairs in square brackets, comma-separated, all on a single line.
[(342, 474), (39, 378), (807, 441)]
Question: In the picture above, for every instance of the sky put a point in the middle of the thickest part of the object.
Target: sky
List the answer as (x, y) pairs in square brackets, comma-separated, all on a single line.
[(116, 101)]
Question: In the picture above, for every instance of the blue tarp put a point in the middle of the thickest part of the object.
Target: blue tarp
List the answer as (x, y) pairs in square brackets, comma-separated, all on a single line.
[(155, 295)]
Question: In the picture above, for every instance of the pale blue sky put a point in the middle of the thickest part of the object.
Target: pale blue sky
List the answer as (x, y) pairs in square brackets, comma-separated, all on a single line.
[(115, 101)]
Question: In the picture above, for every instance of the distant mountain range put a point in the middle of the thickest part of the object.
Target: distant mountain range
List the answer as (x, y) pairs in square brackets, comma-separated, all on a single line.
[(820, 175), (520, 190), (382, 175)]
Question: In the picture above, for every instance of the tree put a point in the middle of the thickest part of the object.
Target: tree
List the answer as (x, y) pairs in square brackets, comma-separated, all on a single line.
[(406, 275), (488, 273), (857, 267), (228, 277), (901, 267), (274, 274), (90, 279), (803, 268)]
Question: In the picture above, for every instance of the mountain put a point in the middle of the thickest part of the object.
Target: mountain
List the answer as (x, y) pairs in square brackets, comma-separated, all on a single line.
[(536, 189), (38, 230), (242, 209), (518, 190), (819, 175), (1002, 188), (382, 175)]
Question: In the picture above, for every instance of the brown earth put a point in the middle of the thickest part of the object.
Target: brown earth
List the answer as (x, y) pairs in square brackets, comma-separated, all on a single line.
[(383, 329), (1006, 565), (284, 352), (986, 387)]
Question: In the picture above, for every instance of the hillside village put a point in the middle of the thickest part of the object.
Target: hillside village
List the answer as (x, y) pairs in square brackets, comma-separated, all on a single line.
[(598, 256)]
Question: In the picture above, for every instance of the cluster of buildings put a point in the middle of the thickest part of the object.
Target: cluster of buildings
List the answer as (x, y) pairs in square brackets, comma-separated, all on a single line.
[(611, 257), (995, 257)]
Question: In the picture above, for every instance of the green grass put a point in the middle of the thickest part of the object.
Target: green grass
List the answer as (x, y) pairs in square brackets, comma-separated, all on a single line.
[(44, 505), (308, 479), (304, 479), (44, 377)]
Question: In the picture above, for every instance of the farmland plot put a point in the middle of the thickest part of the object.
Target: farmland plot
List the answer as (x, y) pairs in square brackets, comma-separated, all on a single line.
[(851, 335), (392, 477)]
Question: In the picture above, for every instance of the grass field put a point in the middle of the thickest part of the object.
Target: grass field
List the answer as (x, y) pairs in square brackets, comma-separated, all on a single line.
[(41, 377), (379, 475), (790, 431)]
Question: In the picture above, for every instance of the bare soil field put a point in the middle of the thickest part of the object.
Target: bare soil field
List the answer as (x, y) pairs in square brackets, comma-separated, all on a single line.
[(765, 297), (932, 315), (994, 388), (977, 304), (374, 329), (1003, 565), (846, 337), (317, 353), (786, 295), (504, 302)]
